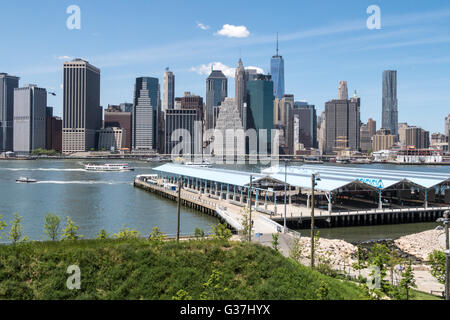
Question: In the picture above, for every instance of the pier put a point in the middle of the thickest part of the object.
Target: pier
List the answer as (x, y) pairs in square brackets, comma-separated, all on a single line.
[(282, 196)]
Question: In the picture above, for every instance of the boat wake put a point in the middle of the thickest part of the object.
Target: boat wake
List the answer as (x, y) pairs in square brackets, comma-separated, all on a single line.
[(84, 182), (41, 169)]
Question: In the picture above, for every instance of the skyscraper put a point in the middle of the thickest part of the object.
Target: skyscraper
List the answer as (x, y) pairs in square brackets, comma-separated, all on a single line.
[(187, 119), (145, 114), (228, 119), (307, 125), (372, 125), (30, 110), (216, 92), (447, 126), (117, 118), (390, 102), (260, 106), (240, 78), (7, 85), (342, 126), (342, 91), (81, 106), (277, 71), (169, 90)]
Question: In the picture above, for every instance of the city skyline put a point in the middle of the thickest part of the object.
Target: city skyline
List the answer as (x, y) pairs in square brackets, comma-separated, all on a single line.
[(410, 41)]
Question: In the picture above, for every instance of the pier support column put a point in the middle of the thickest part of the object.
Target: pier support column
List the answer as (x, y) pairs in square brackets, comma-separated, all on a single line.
[(308, 201), (330, 206), (275, 203), (380, 203), (221, 192), (234, 193), (265, 200), (242, 196), (256, 201), (228, 193), (426, 199)]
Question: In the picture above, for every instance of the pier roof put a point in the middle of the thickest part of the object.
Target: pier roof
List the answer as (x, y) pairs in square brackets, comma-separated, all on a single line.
[(231, 177)]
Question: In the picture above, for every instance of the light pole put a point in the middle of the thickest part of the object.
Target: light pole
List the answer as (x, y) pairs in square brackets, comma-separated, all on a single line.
[(179, 209), (250, 212), (285, 191), (447, 256), (314, 178)]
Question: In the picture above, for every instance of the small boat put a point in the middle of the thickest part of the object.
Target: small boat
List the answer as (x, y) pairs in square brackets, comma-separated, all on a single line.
[(25, 180), (108, 167), (203, 164)]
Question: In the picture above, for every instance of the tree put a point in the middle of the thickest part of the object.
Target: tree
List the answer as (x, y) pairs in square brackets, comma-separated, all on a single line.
[(437, 261), (213, 287), (70, 232), (15, 233), (52, 224), (407, 282), (296, 250), (102, 235), (221, 232), (126, 233), (275, 242), (2, 225), (156, 237), (360, 263), (199, 233), (245, 222)]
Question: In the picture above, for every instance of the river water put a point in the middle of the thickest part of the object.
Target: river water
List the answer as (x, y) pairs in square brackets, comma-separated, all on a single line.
[(108, 200)]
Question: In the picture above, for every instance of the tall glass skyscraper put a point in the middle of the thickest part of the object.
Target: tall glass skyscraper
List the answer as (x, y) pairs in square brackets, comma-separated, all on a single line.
[(277, 71), (390, 102), (7, 85), (216, 92)]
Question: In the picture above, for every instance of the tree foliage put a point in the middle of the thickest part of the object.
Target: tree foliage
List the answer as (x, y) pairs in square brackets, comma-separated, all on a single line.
[(15, 233), (437, 262), (221, 232), (126, 233), (70, 232), (52, 224)]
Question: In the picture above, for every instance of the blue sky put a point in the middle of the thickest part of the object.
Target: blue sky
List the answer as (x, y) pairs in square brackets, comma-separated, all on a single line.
[(322, 42)]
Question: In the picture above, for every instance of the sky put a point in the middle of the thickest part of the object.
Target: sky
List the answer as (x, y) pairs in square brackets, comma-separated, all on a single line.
[(322, 42)]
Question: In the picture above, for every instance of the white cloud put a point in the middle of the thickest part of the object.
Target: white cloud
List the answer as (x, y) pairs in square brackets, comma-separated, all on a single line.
[(205, 69), (202, 26), (65, 58), (228, 30)]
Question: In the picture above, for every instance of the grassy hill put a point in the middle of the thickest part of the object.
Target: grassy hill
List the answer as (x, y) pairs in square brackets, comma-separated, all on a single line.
[(139, 269)]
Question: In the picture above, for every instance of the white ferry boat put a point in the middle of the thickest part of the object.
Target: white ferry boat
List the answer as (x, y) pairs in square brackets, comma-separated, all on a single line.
[(203, 164), (108, 167)]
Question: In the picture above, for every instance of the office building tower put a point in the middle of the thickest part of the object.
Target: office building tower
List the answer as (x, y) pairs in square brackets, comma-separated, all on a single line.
[(383, 140), (216, 92), (7, 85), (169, 90), (372, 126), (30, 115), (179, 121), (259, 100), (126, 107), (402, 133), (282, 107), (82, 113), (111, 139), (53, 128), (447, 126), (342, 125), (365, 138), (417, 137), (145, 118), (277, 72), (342, 90), (321, 132), (228, 119), (307, 125), (240, 79), (192, 101), (390, 102), (116, 118)]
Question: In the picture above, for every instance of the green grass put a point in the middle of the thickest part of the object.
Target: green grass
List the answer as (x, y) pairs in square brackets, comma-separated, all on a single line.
[(139, 269), (419, 295)]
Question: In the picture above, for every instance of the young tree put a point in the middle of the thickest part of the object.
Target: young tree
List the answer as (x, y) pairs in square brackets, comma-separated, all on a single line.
[(52, 224), (70, 232), (126, 233), (221, 232), (245, 222), (275, 242), (213, 288), (296, 250), (437, 261), (407, 282), (102, 235), (15, 233), (2, 225), (199, 233), (156, 236)]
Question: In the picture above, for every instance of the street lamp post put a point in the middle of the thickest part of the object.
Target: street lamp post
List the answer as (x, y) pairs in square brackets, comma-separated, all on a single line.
[(179, 209), (447, 255), (250, 212), (314, 178), (285, 191)]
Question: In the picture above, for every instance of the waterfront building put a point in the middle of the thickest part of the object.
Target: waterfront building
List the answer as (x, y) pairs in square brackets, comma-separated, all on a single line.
[(111, 139), (438, 138), (188, 120), (216, 92), (277, 72), (229, 119), (169, 90), (417, 137), (7, 85), (390, 102), (116, 117), (342, 90), (305, 117), (82, 113), (30, 109), (260, 100), (372, 126), (383, 140), (145, 116), (342, 125), (402, 133), (365, 138), (53, 128)]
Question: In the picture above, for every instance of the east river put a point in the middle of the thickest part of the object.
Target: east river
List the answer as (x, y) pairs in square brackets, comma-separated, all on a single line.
[(108, 200)]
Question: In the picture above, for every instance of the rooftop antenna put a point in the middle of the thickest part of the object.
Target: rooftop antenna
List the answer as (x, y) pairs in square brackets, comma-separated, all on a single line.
[(277, 44)]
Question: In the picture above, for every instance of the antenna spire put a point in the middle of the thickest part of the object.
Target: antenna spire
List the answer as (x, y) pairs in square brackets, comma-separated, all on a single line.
[(277, 44)]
